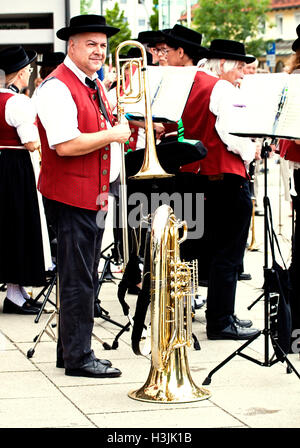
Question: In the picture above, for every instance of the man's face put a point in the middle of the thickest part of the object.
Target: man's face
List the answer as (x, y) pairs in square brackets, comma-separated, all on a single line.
[(250, 69), (159, 54), (88, 51), (234, 75)]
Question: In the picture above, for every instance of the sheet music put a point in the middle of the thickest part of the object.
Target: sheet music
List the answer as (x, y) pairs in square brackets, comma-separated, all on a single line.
[(169, 90), (261, 95), (289, 121)]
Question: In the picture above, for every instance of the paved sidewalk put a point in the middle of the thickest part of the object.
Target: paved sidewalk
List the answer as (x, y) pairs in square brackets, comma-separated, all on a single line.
[(34, 393)]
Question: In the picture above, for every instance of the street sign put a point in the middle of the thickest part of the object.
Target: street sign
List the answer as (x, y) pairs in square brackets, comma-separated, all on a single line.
[(271, 54)]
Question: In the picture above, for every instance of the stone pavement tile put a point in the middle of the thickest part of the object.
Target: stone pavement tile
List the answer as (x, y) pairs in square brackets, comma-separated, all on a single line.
[(26, 385), (259, 406), (45, 351), (198, 417), (21, 328), (5, 343), (113, 398), (42, 412), (14, 361)]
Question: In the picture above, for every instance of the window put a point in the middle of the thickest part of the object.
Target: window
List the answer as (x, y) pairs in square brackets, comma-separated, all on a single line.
[(279, 25), (142, 22)]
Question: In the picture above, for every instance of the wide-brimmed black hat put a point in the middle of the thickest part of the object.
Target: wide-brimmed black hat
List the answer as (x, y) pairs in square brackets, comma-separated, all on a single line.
[(228, 49), (135, 52), (87, 23), (151, 38), (13, 59), (52, 59), (296, 44), (184, 37)]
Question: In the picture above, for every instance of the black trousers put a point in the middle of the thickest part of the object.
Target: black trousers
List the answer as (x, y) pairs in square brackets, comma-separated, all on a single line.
[(294, 268), (79, 239), (227, 215)]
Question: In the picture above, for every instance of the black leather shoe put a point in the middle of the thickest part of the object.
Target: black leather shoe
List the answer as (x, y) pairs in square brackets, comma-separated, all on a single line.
[(242, 322), (94, 369), (233, 332), (244, 276), (34, 303), (60, 363), (258, 213), (11, 308)]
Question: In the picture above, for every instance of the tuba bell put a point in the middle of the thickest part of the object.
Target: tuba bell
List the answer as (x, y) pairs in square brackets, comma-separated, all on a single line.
[(171, 287)]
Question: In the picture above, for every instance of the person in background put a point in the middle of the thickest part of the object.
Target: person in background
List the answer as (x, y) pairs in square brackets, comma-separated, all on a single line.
[(224, 180), (21, 247), (290, 151)]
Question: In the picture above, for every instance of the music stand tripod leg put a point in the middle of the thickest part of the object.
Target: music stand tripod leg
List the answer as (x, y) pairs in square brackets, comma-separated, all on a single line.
[(229, 358)]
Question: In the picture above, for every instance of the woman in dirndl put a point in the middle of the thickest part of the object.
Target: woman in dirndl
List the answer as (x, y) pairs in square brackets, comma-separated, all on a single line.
[(21, 247)]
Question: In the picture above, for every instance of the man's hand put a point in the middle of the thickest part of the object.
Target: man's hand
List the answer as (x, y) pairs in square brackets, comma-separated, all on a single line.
[(33, 146), (121, 132)]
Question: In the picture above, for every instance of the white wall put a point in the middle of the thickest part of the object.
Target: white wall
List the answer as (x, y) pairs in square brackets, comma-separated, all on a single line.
[(37, 36)]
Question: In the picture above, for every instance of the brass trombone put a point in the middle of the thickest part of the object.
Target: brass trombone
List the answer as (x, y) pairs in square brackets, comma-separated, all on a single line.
[(126, 94)]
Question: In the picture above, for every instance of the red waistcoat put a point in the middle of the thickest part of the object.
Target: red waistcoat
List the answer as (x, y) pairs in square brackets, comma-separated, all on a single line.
[(199, 124), (8, 134), (80, 181), (289, 150)]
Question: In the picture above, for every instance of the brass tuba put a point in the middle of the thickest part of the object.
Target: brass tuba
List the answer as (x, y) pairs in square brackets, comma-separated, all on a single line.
[(171, 287)]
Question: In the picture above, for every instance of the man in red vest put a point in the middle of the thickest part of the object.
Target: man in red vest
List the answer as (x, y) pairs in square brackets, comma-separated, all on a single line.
[(290, 150), (224, 180), (80, 165)]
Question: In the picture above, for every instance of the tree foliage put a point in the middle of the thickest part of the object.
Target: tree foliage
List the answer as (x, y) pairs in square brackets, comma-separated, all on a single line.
[(154, 17), (115, 17), (85, 6), (240, 20)]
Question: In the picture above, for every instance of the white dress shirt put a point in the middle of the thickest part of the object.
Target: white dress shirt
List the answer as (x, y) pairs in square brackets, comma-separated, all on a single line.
[(223, 97), (58, 114), (20, 113)]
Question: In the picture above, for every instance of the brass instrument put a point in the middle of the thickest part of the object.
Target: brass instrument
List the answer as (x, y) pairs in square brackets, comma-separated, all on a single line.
[(169, 379), (252, 247), (126, 94)]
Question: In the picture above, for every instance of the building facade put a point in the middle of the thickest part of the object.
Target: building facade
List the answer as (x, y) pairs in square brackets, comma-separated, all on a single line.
[(33, 24)]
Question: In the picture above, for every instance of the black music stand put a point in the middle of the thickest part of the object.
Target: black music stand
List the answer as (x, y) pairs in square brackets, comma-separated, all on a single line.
[(267, 331), (106, 275)]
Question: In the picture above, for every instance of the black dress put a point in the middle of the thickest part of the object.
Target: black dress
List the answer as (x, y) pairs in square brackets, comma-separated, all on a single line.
[(21, 247)]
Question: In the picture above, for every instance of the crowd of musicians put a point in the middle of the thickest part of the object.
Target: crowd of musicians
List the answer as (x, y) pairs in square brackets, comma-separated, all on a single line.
[(60, 158)]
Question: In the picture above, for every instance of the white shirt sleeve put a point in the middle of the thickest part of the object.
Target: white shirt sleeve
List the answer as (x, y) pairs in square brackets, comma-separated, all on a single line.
[(20, 113), (222, 100), (57, 112)]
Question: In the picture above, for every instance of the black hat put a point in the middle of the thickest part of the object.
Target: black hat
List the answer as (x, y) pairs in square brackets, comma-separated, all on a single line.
[(151, 37), (181, 36), (228, 49), (296, 44), (13, 59), (135, 52), (87, 23), (52, 59)]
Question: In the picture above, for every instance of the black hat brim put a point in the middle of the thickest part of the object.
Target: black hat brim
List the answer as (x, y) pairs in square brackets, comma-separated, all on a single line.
[(180, 42), (67, 32), (32, 55), (296, 44), (212, 54)]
